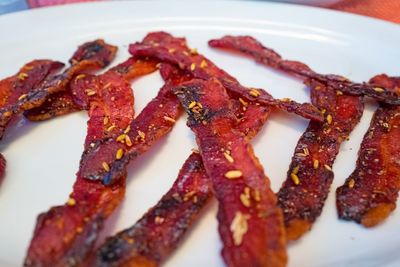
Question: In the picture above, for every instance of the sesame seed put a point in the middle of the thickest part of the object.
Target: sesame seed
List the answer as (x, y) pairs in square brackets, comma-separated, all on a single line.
[(128, 140), (351, 183), (121, 138), (127, 129), (203, 64), (245, 200), (92, 144), (228, 157), (171, 50), (257, 195), (194, 150), (192, 66), (329, 118), (338, 92), (379, 90), (158, 220), (296, 169), (79, 229), (71, 202), (316, 164), (22, 96), (295, 178), (189, 195), (233, 174), (239, 227), (285, 99), (300, 154), (22, 76), (254, 92), (109, 129), (328, 167), (105, 120), (130, 241), (169, 119), (142, 135), (306, 151), (192, 104), (244, 103), (105, 166), (90, 92), (120, 153), (80, 76)]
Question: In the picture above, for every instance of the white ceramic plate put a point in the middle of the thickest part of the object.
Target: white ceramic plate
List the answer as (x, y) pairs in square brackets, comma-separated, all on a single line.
[(43, 157)]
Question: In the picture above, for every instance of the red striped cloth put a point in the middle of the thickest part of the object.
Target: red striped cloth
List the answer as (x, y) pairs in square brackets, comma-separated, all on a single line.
[(382, 9)]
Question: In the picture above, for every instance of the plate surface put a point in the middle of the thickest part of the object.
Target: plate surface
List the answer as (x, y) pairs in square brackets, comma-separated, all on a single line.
[(43, 157)]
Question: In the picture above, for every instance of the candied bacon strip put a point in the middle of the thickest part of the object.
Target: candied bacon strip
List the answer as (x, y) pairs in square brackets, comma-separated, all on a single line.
[(65, 235), (15, 88), (158, 233), (57, 104), (303, 194), (309, 177), (369, 194), (91, 55), (173, 50), (250, 46), (250, 222), (154, 122)]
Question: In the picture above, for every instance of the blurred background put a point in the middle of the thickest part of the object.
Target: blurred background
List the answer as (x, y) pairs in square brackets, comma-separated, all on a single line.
[(382, 9)]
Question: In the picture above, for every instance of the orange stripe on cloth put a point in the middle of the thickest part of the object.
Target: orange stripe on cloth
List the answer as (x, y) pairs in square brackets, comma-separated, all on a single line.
[(381, 9)]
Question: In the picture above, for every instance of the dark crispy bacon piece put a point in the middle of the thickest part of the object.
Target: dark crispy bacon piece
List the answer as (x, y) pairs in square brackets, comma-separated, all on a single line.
[(2, 167), (65, 235), (91, 55), (250, 222), (174, 50), (57, 104), (17, 87), (157, 234), (154, 122), (309, 178), (267, 56), (303, 194), (370, 193)]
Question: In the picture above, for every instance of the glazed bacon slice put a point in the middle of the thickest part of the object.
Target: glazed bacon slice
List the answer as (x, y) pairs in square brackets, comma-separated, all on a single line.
[(303, 194), (309, 178), (370, 193), (167, 48), (250, 222), (57, 104), (250, 46), (65, 235), (158, 233), (91, 55), (154, 122), (15, 88)]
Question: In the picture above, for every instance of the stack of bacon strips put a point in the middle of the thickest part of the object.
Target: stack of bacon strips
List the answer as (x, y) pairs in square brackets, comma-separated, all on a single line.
[(225, 116), (309, 177)]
